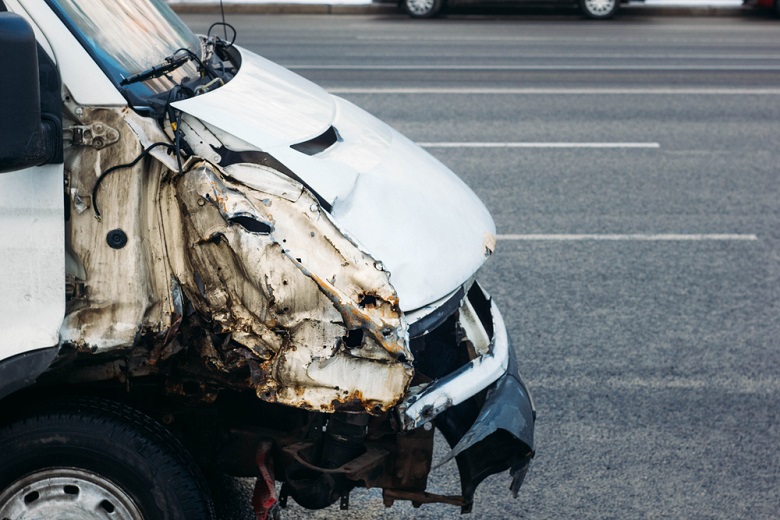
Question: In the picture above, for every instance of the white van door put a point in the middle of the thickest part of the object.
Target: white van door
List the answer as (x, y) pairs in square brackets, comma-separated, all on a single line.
[(32, 259)]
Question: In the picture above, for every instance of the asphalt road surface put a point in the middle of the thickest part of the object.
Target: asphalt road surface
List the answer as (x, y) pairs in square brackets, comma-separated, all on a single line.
[(633, 170)]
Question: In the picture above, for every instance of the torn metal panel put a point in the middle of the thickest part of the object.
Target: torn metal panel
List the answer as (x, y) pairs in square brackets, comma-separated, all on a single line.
[(288, 288), (314, 318)]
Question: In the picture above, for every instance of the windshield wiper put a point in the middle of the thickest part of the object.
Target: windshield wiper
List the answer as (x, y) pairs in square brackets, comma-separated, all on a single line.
[(171, 63)]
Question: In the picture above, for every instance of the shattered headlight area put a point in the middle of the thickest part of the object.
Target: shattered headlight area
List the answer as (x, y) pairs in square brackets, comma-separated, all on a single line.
[(467, 383)]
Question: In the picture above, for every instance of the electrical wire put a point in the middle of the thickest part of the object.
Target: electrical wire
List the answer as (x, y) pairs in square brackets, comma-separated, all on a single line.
[(197, 60), (105, 174), (174, 117), (225, 25)]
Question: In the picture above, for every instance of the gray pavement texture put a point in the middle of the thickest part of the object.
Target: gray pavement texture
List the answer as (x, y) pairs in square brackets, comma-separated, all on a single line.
[(654, 365), (389, 7)]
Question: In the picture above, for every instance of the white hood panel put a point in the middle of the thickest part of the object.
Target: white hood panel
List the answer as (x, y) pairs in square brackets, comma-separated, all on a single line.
[(265, 103), (403, 206)]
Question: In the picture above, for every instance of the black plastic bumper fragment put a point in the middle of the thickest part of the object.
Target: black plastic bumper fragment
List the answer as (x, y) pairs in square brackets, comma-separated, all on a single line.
[(494, 437)]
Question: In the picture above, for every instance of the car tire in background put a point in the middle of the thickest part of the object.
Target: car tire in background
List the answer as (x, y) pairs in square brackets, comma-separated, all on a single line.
[(599, 9), (422, 8), (94, 458)]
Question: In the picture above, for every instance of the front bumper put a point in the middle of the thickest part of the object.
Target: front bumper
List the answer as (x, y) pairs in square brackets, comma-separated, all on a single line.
[(483, 408)]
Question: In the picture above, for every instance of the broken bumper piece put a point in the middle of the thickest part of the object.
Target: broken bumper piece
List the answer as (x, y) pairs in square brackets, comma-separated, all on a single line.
[(483, 409)]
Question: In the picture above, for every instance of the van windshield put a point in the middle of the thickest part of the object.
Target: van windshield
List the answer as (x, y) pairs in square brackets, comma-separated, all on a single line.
[(128, 36)]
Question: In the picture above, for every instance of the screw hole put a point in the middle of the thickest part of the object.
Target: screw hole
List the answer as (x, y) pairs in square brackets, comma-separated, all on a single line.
[(107, 506), (29, 498), (71, 490)]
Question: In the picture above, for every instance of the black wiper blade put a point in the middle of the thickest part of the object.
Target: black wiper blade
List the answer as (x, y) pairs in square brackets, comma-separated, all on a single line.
[(171, 63)]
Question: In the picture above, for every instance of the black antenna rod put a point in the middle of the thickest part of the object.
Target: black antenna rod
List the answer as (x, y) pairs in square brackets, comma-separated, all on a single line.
[(224, 26)]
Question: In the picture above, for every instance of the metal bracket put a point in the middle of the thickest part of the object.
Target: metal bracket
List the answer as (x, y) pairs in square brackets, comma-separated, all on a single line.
[(96, 135), (75, 290), (418, 498)]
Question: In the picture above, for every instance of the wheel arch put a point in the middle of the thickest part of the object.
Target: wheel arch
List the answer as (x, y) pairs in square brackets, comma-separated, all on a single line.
[(22, 370)]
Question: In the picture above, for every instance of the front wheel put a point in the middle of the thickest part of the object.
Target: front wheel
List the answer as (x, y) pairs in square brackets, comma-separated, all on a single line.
[(95, 459), (599, 9), (422, 8)]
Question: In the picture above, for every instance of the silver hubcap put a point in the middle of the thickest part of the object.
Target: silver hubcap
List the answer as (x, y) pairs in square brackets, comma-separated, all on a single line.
[(419, 7), (599, 7), (66, 494)]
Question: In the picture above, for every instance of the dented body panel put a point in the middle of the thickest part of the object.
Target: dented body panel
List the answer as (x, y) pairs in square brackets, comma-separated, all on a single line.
[(288, 287), (386, 193), (245, 234)]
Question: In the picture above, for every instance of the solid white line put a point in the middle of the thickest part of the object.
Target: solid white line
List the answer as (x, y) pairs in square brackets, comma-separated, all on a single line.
[(759, 68), (539, 145), (648, 237), (630, 56), (558, 39), (565, 91)]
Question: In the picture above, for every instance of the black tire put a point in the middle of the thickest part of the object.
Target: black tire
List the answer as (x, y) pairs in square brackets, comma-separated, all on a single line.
[(422, 8), (599, 9), (777, 8), (113, 452)]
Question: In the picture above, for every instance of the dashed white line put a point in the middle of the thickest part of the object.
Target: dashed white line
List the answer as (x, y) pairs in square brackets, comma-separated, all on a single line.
[(648, 237)]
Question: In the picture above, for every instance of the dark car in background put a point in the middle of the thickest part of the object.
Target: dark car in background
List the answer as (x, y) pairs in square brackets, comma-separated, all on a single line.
[(774, 5), (596, 9)]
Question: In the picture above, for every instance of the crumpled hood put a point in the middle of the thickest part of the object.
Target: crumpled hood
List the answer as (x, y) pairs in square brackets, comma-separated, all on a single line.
[(404, 207)]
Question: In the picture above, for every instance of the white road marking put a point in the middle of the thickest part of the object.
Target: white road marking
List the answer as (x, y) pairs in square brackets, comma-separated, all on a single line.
[(756, 68), (752, 384), (648, 237), (538, 145), (630, 56), (559, 39), (565, 91)]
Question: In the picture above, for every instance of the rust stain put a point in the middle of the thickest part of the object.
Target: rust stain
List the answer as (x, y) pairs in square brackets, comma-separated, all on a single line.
[(489, 243)]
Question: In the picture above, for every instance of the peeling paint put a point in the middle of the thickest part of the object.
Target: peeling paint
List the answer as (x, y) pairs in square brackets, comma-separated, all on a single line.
[(302, 277)]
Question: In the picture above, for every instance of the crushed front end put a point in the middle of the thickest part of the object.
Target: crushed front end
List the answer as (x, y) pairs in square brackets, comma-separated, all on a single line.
[(466, 384), (291, 310)]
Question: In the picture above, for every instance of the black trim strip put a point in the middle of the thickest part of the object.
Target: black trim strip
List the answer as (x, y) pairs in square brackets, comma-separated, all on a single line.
[(438, 316), (266, 159)]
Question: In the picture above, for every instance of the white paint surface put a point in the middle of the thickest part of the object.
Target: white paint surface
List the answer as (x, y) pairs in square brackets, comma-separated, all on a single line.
[(32, 260)]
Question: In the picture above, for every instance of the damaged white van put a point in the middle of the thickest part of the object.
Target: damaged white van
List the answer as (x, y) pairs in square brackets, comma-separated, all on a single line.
[(209, 264)]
